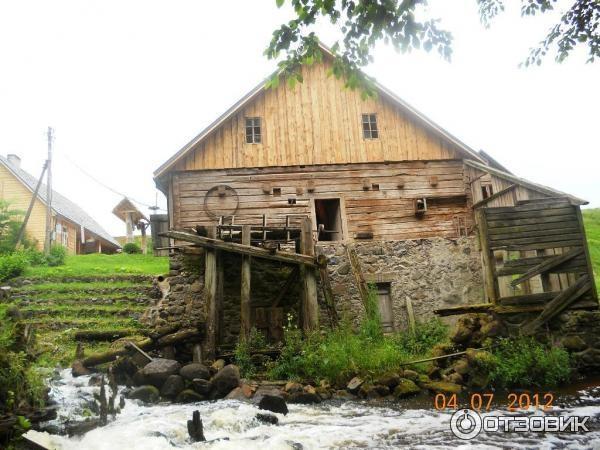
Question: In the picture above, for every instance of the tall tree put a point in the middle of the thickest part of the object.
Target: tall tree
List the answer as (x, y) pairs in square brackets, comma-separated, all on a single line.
[(403, 23)]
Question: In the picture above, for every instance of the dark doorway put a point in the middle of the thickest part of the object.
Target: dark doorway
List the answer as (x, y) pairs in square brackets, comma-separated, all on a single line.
[(329, 219)]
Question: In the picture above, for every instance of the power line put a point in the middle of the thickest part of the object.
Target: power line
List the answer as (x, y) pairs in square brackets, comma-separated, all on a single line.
[(105, 186)]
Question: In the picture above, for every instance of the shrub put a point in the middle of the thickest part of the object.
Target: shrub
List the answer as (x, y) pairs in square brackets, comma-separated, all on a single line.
[(243, 352), (34, 257), (132, 248), (524, 362), (56, 256), (425, 337), (12, 265)]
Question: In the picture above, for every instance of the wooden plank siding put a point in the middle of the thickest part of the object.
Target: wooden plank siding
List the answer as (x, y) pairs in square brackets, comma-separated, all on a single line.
[(316, 122), (18, 196), (388, 212)]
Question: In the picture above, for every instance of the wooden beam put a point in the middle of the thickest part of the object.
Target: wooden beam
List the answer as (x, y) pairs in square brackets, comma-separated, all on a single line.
[(487, 257), (412, 323), (245, 310), (485, 201), (363, 289), (327, 291), (586, 250), (212, 243), (210, 289), (289, 282), (310, 305), (546, 265), (558, 304), (464, 309)]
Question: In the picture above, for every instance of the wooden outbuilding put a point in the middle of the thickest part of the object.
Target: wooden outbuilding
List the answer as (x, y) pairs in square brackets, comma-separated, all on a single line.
[(365, 188)]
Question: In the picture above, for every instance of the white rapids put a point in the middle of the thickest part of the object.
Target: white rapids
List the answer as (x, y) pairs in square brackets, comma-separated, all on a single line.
[(232, 425)]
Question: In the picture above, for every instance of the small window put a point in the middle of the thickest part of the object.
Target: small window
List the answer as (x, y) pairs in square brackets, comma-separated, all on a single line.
[(369, 123), (486, 190), (253, 131)]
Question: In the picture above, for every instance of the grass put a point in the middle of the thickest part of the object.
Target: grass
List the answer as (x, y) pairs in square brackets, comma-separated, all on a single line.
[(103, 265), (591, 219), (345, 352), (76, 286)]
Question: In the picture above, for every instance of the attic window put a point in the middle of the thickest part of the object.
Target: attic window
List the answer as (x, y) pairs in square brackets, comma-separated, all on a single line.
[(486, 190), (253, 130), (369, 123)]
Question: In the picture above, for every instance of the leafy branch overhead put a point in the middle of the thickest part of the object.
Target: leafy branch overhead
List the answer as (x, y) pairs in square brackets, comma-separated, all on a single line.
[(405, 25)]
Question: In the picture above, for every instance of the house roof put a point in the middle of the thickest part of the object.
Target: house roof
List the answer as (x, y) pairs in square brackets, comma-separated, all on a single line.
[(469, 152), (525, 183), (60, 204), (126, 206)]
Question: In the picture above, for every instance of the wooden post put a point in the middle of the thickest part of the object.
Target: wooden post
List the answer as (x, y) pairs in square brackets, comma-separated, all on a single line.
[(210, 288), (245, 291), (412, 323), (310, 305), (129, 226), (488, 257), (586, 249)]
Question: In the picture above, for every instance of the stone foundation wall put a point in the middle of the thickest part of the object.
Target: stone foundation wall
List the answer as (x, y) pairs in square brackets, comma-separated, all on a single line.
[(433, 273), (579, 333)]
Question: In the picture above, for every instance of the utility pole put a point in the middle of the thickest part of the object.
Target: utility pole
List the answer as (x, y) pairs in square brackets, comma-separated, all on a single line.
[(48, 241)]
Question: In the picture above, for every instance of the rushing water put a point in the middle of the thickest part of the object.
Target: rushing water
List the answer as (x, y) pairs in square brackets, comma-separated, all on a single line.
[(328, 425)]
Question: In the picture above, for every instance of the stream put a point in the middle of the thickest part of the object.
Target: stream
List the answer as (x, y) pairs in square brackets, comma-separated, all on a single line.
[(325, 426)]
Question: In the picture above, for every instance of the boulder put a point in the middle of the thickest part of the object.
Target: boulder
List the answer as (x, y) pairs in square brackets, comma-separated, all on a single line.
[(382, 390), (78, 369), (158, 370), (241, 393), (390, 380), (292, 387), (195, 370), (172, 386), (146, 394), (368, 391), (273, 403), (305, 398), (455, 378), (267, 418), (573, 343), (342, 394), (189, 396), (201, 386), (410, 374), (324, 393), (354, 385), (443, 387), (218, 365), (406, 388), (226, 379), (461, 366), (268, 390)]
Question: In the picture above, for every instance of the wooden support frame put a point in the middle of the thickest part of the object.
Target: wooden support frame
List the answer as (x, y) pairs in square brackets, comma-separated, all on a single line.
[(363, 289)]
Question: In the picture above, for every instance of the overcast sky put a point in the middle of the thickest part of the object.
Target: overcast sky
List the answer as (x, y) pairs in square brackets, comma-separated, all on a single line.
[(125, 84)]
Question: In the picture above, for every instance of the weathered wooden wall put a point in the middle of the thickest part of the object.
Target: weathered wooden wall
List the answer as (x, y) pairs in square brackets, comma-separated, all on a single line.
[(387, 212), (316, 122)]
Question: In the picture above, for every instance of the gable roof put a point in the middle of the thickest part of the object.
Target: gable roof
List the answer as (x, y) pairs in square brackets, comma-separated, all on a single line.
[(60, 204), (525, 183), (468, 151)]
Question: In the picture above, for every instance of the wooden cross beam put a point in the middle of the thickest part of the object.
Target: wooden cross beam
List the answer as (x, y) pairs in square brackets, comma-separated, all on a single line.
[(286, 257), (546, 265), (558, 304), (485, 201)]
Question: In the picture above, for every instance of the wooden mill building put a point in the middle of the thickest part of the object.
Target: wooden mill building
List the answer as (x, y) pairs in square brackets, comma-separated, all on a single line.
[(391, 199)]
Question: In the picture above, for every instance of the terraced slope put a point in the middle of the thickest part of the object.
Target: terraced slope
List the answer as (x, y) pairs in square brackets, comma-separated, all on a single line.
[(59, 307)]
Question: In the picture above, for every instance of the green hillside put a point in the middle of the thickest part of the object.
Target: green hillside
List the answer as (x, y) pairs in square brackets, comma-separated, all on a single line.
[(591, 217)]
